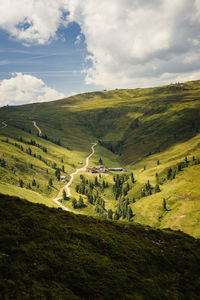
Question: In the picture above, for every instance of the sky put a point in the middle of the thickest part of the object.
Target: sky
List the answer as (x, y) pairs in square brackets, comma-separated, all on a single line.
[(54, 49)]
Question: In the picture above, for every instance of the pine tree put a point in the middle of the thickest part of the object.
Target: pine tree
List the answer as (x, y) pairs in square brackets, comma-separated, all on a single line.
[(21, 183), (132, 178), (116, 216), (169, 173), (157, 188), (63, 169), (80, 202), (96, 181), (64, 195), (110, 214), (50, 182), (74, 203), (100, 161), (33, 182), (129, 213), (164, 204), (2, 163), (57, 173), (158, 162)]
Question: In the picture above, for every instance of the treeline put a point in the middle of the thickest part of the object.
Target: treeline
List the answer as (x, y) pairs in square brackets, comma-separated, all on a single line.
[(45, 137), (170, 173), (28, 151), (24, 129), (149, 189), (33, 143)]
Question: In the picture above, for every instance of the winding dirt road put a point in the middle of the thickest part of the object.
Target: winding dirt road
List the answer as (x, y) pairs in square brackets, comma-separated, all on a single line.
[(39, 130), (4, 124), (66, 187)]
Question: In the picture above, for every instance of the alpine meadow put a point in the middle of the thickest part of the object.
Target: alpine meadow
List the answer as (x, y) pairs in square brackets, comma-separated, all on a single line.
[(146, 141), (100, 150)]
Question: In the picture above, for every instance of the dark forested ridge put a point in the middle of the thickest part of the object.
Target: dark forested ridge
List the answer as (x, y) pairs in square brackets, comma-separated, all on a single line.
[(46, 253)]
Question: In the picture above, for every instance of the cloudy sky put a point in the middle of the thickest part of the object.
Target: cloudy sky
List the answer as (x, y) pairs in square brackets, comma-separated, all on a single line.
[(50, 49)]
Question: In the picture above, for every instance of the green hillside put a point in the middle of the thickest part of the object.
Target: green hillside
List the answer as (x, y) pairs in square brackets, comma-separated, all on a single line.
[(152, 133), (46, 253)]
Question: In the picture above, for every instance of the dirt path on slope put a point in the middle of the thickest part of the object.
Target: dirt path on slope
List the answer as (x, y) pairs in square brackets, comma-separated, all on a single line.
[(4, 124), (66, 187), (38, 129)]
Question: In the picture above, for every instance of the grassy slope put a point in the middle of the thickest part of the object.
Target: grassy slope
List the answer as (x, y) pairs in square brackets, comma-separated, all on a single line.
[(162, 121), (51, 254)]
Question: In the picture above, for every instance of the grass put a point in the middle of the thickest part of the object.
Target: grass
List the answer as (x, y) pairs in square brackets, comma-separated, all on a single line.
[(135, 128), (46, 253)]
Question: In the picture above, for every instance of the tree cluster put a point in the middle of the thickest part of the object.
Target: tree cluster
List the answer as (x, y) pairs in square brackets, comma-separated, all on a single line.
[(121, 186), (78, 204), (123, 210)]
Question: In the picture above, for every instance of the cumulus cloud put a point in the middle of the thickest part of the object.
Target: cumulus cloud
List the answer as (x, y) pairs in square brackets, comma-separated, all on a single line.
[(22, 88), (131, 42)]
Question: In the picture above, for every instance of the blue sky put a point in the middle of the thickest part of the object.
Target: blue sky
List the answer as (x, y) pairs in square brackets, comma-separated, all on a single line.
[(51, 49), (59, 63)]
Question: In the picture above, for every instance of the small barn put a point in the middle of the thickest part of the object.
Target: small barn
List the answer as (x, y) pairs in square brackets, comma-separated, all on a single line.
[(116, 169), (63, 178)]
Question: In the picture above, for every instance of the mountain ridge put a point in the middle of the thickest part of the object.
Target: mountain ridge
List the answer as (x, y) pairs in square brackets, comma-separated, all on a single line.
[(146, 131)]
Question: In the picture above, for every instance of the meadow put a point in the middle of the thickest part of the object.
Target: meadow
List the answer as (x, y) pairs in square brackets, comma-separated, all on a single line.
[(145, 131)]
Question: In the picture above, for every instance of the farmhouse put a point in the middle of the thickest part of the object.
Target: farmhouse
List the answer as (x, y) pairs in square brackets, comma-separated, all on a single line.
[(63, 178), (96, 169)]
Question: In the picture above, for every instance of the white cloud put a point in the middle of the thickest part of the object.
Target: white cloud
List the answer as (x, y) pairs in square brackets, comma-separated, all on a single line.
[(32, 20), (22, 88), (132, 42)]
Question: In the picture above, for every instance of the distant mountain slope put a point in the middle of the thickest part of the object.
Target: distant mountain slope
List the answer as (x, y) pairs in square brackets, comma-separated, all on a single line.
[(50, 254), (151, 132)]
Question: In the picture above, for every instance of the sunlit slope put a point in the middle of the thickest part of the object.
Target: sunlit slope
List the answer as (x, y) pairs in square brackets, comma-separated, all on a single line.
[(132, 123), (135, 129)]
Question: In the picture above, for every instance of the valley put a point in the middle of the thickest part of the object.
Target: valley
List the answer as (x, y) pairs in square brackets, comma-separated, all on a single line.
[(153, 134)]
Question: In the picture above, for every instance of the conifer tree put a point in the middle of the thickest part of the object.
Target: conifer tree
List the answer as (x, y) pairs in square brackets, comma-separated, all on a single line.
[(74, 203), (110, 214), (80, 202), (64, 195), (33, 182), (164, 204), (129, 213), (132, 178), (50, 182), (116, 216), (21, 183), (157, 188), (96, 181)]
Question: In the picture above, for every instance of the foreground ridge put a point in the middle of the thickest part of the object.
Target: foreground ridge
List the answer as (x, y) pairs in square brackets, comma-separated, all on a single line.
[(50, 254)]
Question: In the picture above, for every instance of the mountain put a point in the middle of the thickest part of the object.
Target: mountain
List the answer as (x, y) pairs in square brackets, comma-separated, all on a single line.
[(152, 133), (47, 253)]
